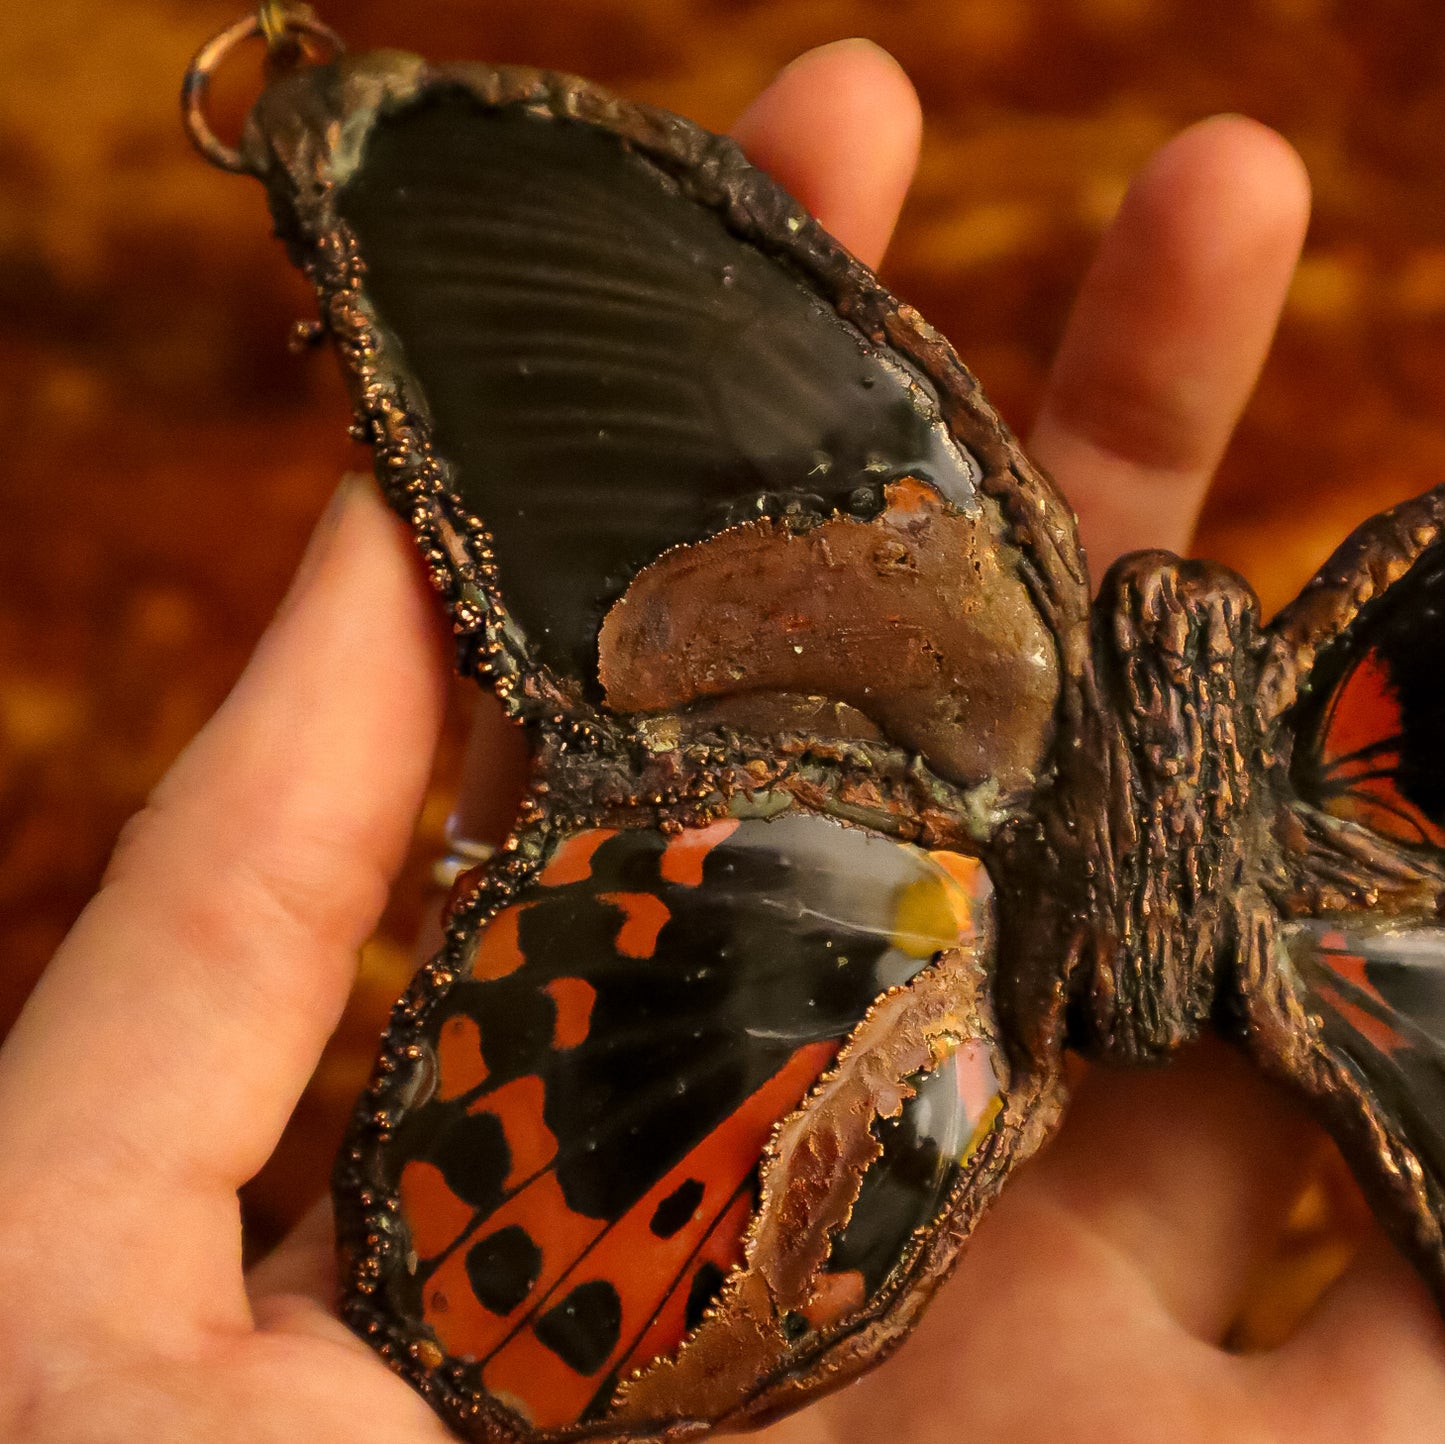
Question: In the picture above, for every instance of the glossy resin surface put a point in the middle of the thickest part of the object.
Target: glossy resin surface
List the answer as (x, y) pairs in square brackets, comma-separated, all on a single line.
[(582, 1151)]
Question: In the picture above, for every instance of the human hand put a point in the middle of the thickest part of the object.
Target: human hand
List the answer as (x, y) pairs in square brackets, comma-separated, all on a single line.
[(156, 1064)]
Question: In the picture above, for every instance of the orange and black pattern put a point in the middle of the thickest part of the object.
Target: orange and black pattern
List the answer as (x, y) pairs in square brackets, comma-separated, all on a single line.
[(1370, 749), (579, 1180)]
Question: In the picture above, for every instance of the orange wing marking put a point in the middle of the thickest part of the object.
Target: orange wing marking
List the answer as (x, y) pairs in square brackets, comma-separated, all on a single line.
[(460, 1065), (499, 949), (644, 916), (1358, 997), (1364, 715), (683, 858), (465, 1327), (1375, 802), (574, 998), (518, 1105), (434, 1214), (723, 1249), (964, 870), (643, 1268), (1360, 757), (572, 859), (437, 1219)]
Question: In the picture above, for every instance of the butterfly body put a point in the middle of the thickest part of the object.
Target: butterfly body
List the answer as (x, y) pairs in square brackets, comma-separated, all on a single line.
[(850, 810)]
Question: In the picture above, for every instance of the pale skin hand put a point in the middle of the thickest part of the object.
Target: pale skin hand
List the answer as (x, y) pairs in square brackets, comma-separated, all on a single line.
[(154, 1068)]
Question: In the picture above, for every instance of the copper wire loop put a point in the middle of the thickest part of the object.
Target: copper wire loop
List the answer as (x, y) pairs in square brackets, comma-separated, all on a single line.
[(286, 29)]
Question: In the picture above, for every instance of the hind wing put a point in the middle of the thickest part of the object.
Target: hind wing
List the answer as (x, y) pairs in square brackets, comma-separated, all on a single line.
[(682, 1117)]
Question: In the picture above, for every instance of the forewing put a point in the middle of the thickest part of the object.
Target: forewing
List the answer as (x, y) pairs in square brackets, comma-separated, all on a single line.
[(582, 332), (610, 370), (1368, 735)]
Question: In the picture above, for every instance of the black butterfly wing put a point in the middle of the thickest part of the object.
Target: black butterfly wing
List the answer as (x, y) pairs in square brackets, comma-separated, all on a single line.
[(1371, 720), (609, 370), (582, 332), (1347, 1001)]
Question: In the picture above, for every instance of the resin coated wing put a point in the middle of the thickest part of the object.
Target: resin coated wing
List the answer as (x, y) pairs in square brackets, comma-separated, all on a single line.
[(1368, 750), (585, 337), (687, 1125), (1350, 997), (709, 1084)]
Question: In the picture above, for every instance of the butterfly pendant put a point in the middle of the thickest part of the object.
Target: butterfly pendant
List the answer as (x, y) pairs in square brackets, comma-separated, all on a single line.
[(850, 810)]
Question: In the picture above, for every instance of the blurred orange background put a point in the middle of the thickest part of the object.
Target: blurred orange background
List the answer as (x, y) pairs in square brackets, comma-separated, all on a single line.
[(165, 454)]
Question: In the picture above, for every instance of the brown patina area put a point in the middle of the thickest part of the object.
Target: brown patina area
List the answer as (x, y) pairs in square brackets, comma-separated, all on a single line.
[(919, 618)]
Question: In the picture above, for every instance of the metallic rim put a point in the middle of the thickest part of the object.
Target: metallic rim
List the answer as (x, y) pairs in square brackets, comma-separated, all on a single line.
[(211, 56)]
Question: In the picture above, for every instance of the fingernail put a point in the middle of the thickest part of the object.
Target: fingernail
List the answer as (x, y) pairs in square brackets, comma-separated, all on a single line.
[(853, 44)]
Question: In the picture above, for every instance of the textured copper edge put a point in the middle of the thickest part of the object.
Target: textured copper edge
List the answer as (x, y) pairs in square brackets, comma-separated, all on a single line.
[(458, 553), (1326, 865), (306, 136), (906, 1032), (872, 599), (691, 786), (1331, 865), (1375, 555), (370, 1233), (812, 1172)]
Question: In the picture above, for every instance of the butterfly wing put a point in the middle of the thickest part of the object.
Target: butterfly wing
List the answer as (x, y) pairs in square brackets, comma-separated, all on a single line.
[(584, 1147), (1370, 722), (1378, 992), (611, 372), (581, 333), (1348, 1000)]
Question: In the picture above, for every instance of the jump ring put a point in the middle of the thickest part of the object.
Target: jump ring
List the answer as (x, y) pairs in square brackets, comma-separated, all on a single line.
[(207, 61)]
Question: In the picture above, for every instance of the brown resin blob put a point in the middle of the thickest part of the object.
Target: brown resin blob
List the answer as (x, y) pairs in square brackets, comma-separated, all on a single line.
[(918, 618)]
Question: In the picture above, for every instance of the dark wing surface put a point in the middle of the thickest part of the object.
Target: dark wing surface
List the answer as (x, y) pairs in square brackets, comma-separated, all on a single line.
[(1371, 743), (1378, 992), (607, 368), (599, 357)]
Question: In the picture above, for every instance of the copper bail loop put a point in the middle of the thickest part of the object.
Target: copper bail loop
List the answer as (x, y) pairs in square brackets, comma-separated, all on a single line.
[(293, 36)]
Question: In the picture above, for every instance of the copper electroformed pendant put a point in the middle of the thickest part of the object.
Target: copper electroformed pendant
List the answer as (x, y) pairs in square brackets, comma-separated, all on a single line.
[(850, 811)]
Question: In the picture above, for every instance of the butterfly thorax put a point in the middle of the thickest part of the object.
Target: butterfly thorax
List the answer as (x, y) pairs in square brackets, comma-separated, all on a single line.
[(1170, 885)]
